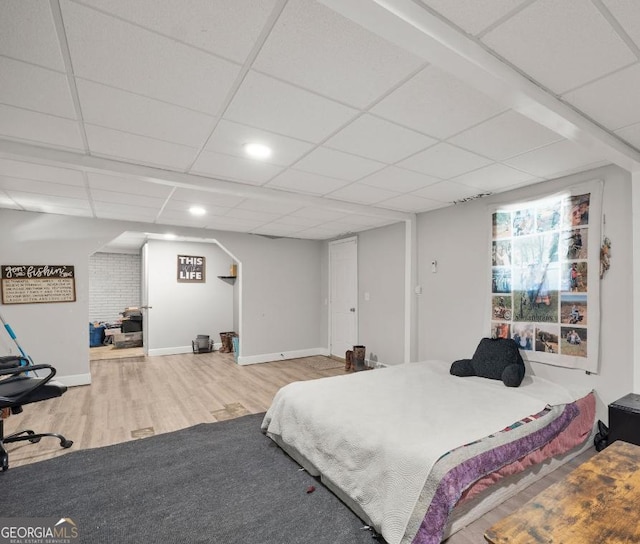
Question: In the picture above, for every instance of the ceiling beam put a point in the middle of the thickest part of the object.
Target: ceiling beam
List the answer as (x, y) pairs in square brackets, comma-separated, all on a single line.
[(88, 163), (410, 25)]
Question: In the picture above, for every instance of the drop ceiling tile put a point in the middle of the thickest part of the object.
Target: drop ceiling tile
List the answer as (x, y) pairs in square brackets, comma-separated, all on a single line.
[(233, 223), (444, 161), (230, 138), (299, 220), (34, 88), (228, 167), (317, 233), (48, 202), (210, 224), (277, 229), (368, 220), (228, 29), (495, 177), (631, 134), (627, 15), (58, 209), (184, 218), (436, 103), (187, 197), (127, 198), (175, 209), (322, 214), (362, 194), (612, 101), (300, 236), (473, 17), (447, 191), (336, 164), (252, 215), (7, 202), (125, 212), (272, 105), (20, 124), (110, 51), (324, 232), (346, 227), (504, 136), (129, 185), (562, 45), (128, 112), (269, 206), (42, 187), (27, 32), (555, 160), (28, 170), (305, 182), (398, 180), (411, 204), (378, 139), (138, 149), (316, 48)]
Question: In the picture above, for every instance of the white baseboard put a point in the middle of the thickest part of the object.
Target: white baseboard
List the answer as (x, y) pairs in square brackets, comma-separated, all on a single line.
[(374, 364), (174, 350), (252, 359), (282, 356), (73, 380)]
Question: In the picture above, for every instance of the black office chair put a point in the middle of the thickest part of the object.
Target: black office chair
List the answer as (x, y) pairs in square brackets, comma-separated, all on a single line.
[(24, 386)]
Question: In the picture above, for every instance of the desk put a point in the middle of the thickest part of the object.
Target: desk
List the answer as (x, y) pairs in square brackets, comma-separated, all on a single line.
[(596, 503)]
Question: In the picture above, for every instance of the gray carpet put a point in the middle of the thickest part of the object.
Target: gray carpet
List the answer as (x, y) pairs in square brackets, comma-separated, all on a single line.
[(220, 483)]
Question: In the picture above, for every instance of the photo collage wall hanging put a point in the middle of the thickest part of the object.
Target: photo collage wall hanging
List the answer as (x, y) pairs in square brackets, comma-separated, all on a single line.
[(544, 286)]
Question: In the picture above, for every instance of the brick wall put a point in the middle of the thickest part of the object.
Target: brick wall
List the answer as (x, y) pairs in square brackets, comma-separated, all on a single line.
[(114, 284)]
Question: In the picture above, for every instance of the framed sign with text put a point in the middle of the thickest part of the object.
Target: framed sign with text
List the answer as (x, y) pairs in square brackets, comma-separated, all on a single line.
[(191, 269), (33, 284)]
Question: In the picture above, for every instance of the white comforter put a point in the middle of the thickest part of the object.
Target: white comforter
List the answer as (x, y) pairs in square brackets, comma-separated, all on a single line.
[(376, 435)]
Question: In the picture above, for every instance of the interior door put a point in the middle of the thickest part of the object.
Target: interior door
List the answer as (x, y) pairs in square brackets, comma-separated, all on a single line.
[(343, 299)]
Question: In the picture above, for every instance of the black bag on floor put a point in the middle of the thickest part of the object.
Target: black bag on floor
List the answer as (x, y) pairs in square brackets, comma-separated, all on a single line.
[(601, 439)]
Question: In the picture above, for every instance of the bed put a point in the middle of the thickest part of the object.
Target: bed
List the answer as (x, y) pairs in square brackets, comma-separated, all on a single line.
[(417, 453)]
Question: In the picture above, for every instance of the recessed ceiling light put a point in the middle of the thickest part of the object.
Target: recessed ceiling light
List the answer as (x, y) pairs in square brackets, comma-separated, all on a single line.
[(257, 151), (197, 210)]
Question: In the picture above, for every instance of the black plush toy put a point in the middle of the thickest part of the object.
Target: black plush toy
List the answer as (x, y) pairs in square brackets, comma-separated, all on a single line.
[(495, 358)]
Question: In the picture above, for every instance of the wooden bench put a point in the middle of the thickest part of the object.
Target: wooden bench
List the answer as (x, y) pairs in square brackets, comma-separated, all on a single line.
[(596, 503)]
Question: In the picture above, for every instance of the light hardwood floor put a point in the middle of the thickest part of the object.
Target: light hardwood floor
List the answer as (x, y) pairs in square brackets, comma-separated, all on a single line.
[(134, 397), (138, 396), (109, 352)]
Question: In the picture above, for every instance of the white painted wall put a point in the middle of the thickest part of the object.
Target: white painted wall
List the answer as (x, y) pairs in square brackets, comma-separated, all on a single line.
[(453, 304), (381, 265), (58, 333), (280, 294), (181, 311), (635, 197)]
